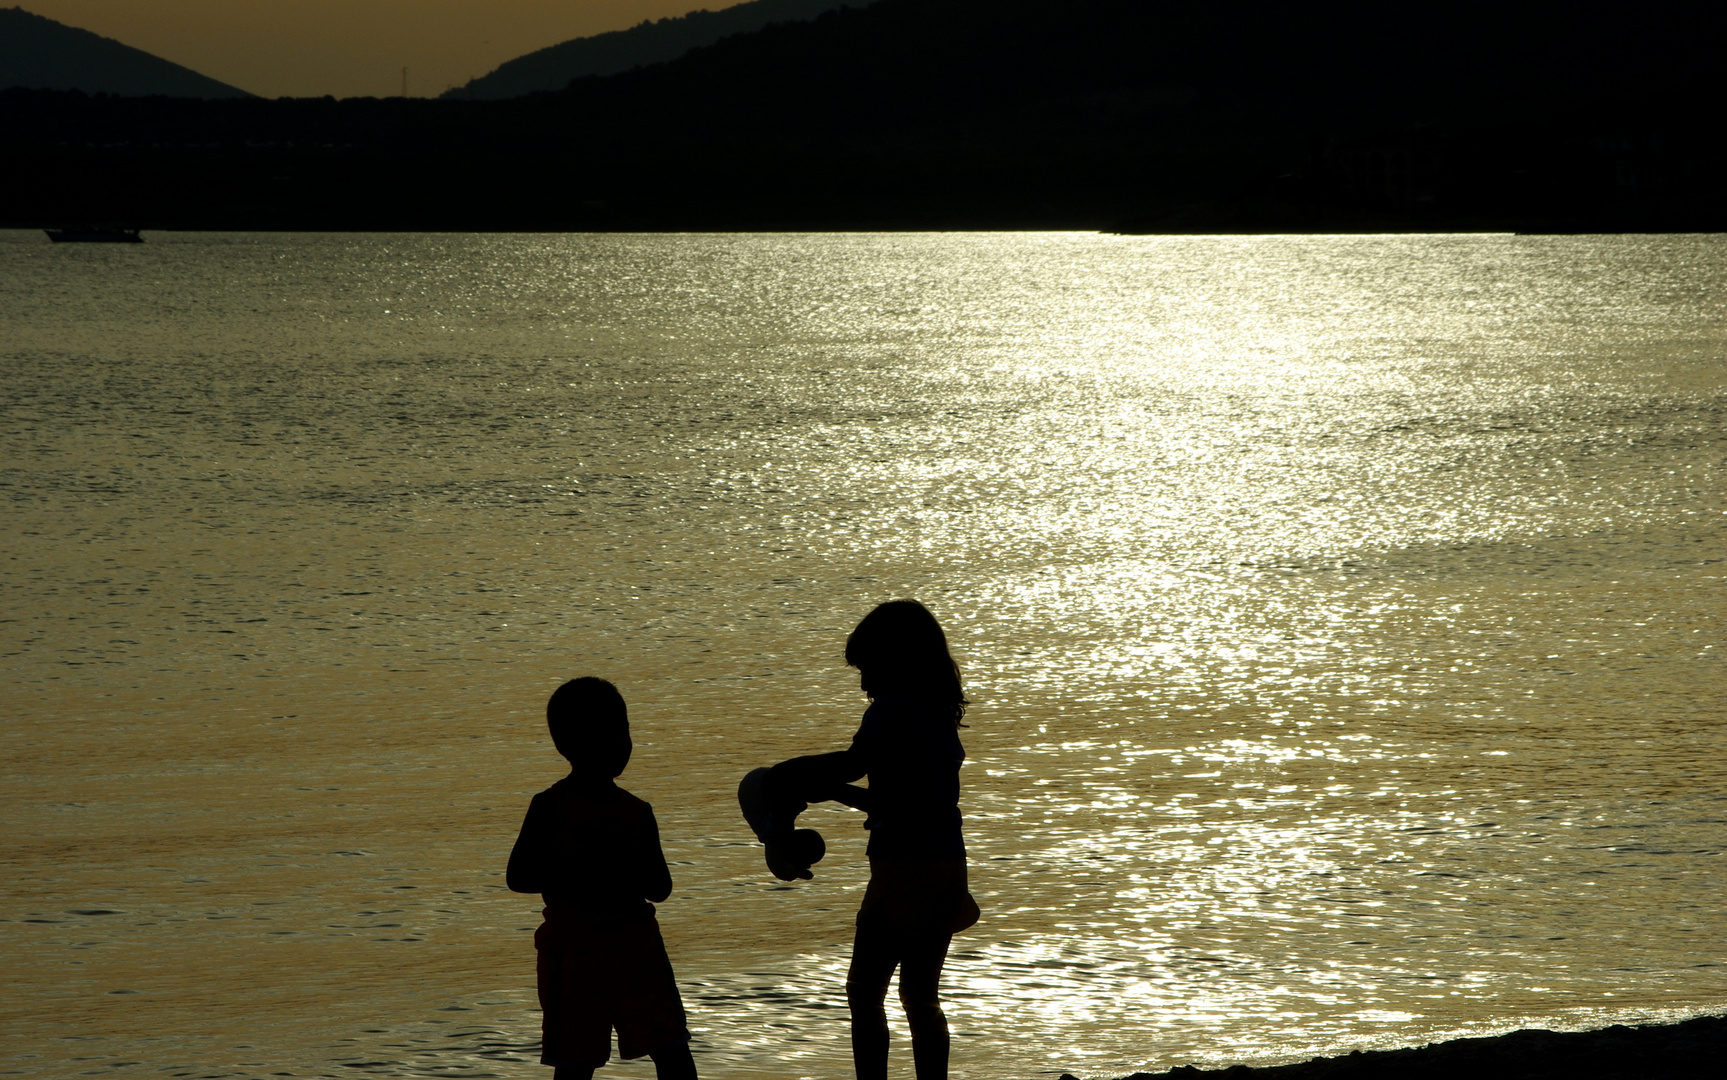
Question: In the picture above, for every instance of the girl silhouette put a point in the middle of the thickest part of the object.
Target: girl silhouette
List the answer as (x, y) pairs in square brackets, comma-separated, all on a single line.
[(908, 745)]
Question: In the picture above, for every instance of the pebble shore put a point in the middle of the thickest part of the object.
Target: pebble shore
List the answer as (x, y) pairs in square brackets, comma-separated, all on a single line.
[(1692, 1048)]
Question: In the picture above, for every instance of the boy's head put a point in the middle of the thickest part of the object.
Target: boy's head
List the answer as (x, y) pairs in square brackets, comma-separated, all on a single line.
[(590, 726)]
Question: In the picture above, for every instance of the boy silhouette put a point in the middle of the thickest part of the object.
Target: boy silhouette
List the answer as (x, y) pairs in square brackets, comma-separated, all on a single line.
[(593, 851)]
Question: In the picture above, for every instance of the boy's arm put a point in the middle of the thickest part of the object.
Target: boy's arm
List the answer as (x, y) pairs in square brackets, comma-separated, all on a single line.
[(655, 877), (528, 862)]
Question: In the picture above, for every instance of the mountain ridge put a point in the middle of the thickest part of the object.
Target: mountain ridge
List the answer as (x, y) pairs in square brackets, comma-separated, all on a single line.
[(648, 42), (1139, 115), (37, 52)]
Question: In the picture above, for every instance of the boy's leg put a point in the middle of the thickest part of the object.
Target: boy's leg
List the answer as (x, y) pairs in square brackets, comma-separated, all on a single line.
[(572, 1029), (874, 956), (672, 1061), (919, 992)]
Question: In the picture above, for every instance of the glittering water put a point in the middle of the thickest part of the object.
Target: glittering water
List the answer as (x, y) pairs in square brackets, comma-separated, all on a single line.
[(1343, 613)]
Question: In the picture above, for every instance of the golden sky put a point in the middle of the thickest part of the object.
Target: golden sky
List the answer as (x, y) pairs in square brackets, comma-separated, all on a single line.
[(348, 48)]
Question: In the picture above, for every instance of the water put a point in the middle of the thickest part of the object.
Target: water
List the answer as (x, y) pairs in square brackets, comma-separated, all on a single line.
[(1343, 616)]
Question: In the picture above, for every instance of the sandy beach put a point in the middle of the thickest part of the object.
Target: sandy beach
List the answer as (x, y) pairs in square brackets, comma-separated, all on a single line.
[(1694, 1047)]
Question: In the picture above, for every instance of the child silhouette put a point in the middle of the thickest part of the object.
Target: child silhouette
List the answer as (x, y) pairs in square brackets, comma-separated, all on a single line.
[(593, 850), (917, 899)]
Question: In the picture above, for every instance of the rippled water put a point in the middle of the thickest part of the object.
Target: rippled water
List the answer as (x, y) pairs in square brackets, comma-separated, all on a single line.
[(1343, 614)]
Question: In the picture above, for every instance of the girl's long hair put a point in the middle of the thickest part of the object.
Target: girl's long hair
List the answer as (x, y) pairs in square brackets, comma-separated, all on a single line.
[(901, 649)]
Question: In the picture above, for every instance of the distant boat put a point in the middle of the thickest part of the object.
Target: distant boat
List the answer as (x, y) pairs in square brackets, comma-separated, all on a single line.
[(90, 234)]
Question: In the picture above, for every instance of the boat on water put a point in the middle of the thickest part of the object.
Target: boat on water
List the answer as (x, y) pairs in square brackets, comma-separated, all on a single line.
[(94, 234)]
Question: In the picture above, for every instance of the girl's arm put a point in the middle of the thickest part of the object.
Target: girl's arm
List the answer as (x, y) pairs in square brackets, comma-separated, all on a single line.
[(858, 798), (820, 777)]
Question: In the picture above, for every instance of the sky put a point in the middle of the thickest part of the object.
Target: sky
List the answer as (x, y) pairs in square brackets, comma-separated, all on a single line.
[(350, 48)]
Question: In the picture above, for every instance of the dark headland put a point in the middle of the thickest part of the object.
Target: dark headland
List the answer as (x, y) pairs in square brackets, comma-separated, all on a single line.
[(1132, 115), (648, 42), (1692, 1048), (39, 53)]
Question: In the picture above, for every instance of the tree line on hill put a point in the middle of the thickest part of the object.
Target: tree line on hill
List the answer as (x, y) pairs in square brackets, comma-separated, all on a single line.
[(39, 53), (648, 42), (1249, 115)]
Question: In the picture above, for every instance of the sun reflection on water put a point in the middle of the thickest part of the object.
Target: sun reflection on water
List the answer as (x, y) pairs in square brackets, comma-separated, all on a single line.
[(1342, 615)]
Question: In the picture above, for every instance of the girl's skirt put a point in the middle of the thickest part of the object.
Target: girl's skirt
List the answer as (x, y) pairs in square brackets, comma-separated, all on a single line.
[(918, 895)]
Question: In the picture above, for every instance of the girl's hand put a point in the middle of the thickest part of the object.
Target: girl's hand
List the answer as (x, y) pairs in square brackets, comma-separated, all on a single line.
[(858, 798)]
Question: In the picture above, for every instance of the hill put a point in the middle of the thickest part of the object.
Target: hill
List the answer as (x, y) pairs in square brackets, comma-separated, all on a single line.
[(1144, 115), (648, 42), (40, 53)]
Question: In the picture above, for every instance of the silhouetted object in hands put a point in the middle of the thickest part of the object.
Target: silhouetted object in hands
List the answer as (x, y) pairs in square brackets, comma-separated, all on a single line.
[(917, 898), (790, 851), (593, 850)]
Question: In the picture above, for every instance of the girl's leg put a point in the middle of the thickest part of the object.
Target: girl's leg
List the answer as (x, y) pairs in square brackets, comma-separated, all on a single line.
[(672, 1061), (919, 979), (874, 957)]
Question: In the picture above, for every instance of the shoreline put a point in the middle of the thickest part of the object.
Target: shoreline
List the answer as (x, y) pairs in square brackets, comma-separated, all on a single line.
[(1688, 1048)]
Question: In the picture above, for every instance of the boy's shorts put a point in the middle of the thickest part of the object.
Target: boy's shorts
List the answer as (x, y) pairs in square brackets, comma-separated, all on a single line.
[(595, 979)]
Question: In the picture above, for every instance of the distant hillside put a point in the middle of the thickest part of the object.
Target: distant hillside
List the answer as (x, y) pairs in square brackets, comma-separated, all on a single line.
[(1143, 115), (650, 42), (42, 54)]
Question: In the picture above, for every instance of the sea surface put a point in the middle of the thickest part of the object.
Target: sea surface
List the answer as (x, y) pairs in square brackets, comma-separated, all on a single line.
[(1344, 617)]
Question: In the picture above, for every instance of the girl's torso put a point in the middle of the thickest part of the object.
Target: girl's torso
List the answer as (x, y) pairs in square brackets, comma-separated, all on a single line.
[(913, 756)]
